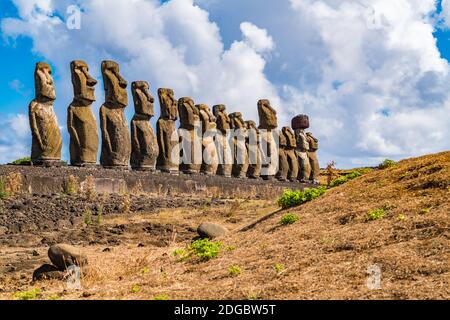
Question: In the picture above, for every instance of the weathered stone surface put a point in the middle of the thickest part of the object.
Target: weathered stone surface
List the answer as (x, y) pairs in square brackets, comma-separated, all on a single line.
[(223, 142), (313, 159), (283, 164), (240, 162), (81, 121), (211, 230), (143, 138), (64, 255), (166, 132), (302, 154), (267, 115), (46, 136), (190, 136), (209, 131), (116, 141), (48, 272), (254, 151), (291, 145), (268, 122)]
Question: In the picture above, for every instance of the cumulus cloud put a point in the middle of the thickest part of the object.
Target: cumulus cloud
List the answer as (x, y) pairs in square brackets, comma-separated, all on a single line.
[(14, 137), (368, 72)]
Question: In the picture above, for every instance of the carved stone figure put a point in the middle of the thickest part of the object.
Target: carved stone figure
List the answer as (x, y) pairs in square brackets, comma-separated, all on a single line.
[(254, 152), (268, 122), (144, 144), (190, 136), (240, 162), (283, 164), (299, 124), (209, 131), (312, 155), (291, 145), (46, 136), (166, 132), (223, 142), (116, 141), (81, 121)]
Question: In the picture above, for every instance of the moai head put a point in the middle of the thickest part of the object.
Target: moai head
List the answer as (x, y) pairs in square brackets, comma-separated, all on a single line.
[(222, 119), (168, 103), (289, 135), (237, 122), (267, 115), (115, 86), (43, 81), (206, 117), (313, 142), (83, 83), (143, 100), (251, 125), (189, 114)]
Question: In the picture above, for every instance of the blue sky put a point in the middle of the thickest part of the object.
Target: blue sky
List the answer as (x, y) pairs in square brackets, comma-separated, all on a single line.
[(292, 52)]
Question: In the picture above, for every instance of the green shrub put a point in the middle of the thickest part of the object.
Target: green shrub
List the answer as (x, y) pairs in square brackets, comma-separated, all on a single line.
[(278, 267), (87, 217), (234, 271), (376, 214), (22, 162), (341, 180), (28, 295), (161, 297), (135, 289), (205, 249), (292, 198), (289, 219), (387, 163)]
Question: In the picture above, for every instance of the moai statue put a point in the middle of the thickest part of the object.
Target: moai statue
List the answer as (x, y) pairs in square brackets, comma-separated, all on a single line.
[(190, 136), (312, 155), (47, 141), (254, 152), (81, 121), (291, 146), (299, 124), (283, 164), (268, 122), (144, 145), (223, 142), (240, 161), (167, 134), (209, 132), (116, 141)]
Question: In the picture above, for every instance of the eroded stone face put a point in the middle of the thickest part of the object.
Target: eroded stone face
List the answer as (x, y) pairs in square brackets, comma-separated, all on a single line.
[(143, 139), (254, 152), (166, 132), (267, 115), (116, 141), (189, 114), (46, 136), (83, 83), (302, 154), (291, 155), (312, 155), (143, 100), (190, 136), (222, 119), (115, 86), (168, 103), (81, 121)]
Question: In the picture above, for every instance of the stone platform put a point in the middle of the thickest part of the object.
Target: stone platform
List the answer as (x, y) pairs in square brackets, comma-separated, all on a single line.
[(48, 181)]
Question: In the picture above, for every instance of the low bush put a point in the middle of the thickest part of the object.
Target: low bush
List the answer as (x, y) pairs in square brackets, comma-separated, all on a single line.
[(289, 219), (22, 162), (387, 164), (234, 271), (205, 249), (292, 198), (376, 214)]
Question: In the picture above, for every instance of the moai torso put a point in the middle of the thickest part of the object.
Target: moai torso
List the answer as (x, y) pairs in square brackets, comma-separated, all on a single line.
[(209, 131), (291, 155), (190, 136), (299, 124), (116, 142), (223, 142), (166, 132), (283, 165), (240, 165), (46, 136), (268, 122), (313, 159), (143, 139), (254, 152), (81, 121)]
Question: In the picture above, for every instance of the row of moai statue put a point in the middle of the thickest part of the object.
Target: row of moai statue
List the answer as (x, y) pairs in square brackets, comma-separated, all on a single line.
[(295, 156)]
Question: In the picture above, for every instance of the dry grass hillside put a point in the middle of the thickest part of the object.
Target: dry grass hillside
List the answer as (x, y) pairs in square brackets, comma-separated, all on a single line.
[(324, 255)]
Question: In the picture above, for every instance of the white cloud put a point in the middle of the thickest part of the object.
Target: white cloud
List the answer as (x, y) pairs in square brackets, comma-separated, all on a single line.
[(368, 72), (14, 136)]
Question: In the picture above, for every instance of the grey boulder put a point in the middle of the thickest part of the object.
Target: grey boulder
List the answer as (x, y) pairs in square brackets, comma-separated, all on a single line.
[(64, 255), (211, 230)]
